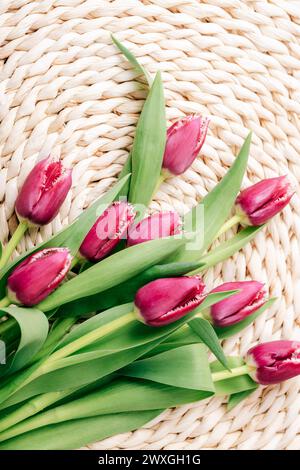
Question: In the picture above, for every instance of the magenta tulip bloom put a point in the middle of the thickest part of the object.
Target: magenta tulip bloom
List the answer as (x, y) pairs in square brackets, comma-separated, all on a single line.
[(258, 203), (43, 192), (184, 141), (38, 275), (251, 297), (166, 300), (108, 230), (162, 224), (275, 361)]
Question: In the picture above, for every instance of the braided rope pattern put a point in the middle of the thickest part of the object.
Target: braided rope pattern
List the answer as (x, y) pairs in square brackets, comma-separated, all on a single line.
[(65, 89)]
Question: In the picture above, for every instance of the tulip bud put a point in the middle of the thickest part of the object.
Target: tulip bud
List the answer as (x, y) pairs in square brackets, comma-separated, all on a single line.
[(258, 203), (274, 362), (184, 141), (166, 300), (251, 297), (38, 275), (43, 192), (162, 224), (107, 231)]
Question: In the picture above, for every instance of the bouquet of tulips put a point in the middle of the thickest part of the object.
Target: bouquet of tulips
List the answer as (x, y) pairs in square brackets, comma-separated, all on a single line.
[(109, 322)]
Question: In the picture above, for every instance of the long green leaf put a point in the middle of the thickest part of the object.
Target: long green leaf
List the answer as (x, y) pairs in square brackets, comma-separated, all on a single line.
[(33, 326), (228, 248), (127, 168), (133, 60), (236, 398), (95, 322), (184, 367), (148, 146), (75, 374), (126, 171), (217, 205), (207, 334), (112, 271), (74, 434), (120, 396)]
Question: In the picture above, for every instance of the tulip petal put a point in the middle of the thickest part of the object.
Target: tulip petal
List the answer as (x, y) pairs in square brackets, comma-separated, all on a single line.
[(107, 231), (36, 277), (159, 225), (43, 192), (263, 200), (165, 300), (240, 305), (184, 142), (275, 361)]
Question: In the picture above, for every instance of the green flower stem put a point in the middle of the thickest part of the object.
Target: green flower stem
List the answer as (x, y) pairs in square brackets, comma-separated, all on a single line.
[(30, 408), (90, 337), (44, 366), (75, 261), (13, 242), (236, 219), (226, 374), (5, 302), (57, 333)]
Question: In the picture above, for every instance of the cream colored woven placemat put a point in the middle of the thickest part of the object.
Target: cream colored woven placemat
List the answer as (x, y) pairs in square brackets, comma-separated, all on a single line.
[(65, 89)]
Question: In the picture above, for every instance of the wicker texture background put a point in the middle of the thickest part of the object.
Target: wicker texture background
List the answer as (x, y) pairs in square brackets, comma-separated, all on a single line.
[(65, 89)]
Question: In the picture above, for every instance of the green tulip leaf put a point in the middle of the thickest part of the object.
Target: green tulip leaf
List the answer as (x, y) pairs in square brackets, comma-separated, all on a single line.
[(238, 397), (183, 367), (217, 205), (33, 326), (126, 171), (76, 433), (132, 59), (207, 334), (227, 249), (148, 147), (127, 168)]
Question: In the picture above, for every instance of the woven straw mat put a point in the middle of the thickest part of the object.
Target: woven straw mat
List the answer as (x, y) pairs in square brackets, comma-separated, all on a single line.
[(66, 90)]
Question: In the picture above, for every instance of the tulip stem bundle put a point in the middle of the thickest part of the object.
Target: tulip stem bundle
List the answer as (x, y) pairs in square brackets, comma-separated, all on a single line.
[(17, 422), (13, 242), (228, 374)]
